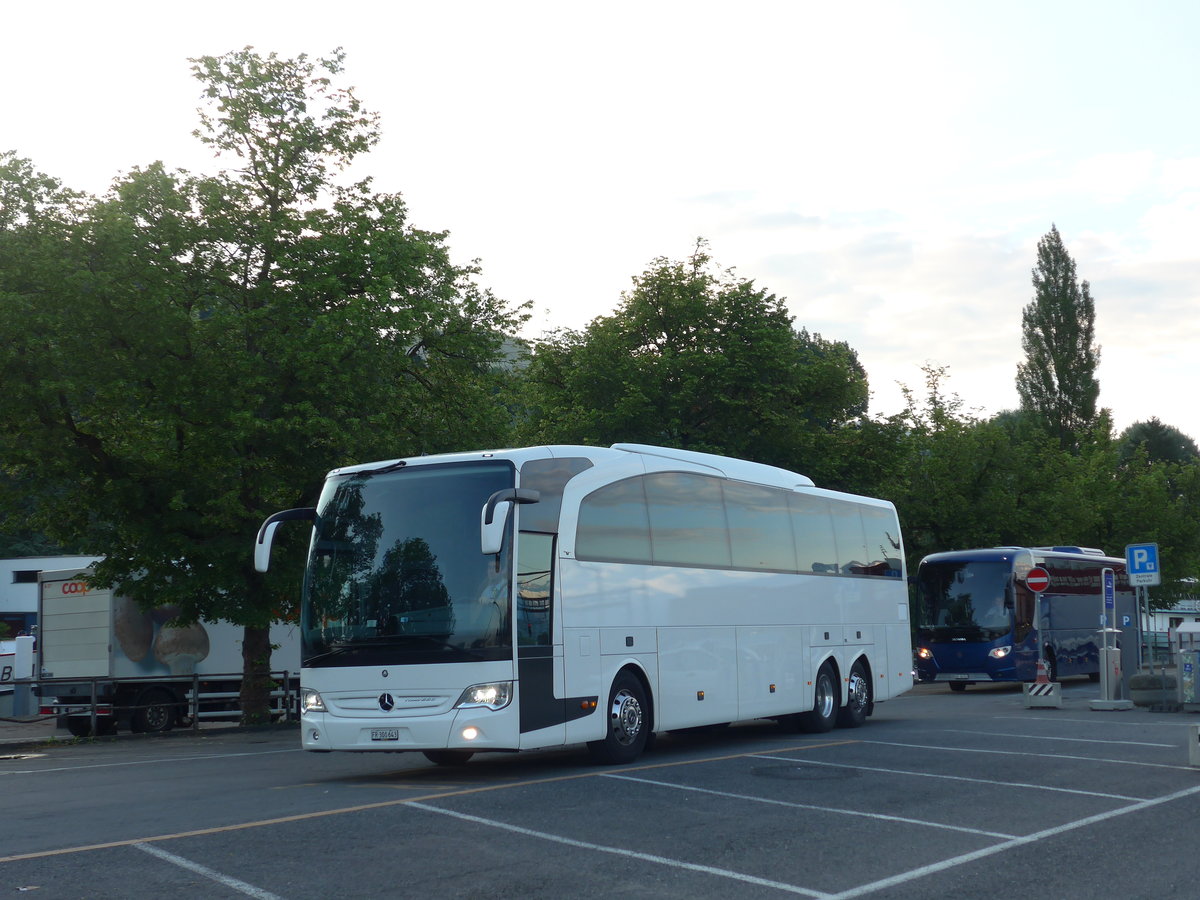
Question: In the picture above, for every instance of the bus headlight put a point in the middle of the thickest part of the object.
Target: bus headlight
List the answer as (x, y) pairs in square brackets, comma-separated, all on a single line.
[(493, 695), (924, 653), (1000, 652), (310, 701)]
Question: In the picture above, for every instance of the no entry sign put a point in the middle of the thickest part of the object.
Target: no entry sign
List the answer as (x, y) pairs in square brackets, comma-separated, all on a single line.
[(1037, 580)]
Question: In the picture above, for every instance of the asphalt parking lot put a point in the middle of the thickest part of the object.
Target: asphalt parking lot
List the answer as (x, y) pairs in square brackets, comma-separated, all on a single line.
[(940, 794)]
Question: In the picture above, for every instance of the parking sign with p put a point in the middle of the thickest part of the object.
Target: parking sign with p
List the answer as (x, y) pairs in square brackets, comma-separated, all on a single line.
[(1141, 561)]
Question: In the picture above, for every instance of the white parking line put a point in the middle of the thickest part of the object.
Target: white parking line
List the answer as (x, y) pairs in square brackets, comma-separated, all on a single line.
[(145, 762), (233, 883), (933, 868), (829, 809), (1006, 784), (1060, 756), (1095, 720), (631, 854), (1042, 737)]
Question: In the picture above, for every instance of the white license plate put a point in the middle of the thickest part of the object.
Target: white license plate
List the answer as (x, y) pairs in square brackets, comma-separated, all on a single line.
[(385, 734)]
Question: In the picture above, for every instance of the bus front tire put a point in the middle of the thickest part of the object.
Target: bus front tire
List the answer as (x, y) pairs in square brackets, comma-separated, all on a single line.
[(628, 723), (858, 698), (823, 715)]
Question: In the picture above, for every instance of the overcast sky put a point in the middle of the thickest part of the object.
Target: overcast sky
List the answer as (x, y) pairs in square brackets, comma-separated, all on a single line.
[(888, 168)]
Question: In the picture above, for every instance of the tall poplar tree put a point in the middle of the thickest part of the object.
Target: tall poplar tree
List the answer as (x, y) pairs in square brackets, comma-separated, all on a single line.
[(1057, 381)]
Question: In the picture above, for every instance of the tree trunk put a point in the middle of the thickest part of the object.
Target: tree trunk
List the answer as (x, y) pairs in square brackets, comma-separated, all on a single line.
[(256, 675)]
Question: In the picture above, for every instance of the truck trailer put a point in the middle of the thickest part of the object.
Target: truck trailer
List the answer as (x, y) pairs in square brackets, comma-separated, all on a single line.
[(106, 664)]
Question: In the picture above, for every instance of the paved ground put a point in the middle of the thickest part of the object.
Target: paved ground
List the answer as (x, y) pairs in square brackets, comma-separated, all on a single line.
[(16, 734), (941, 795), (29, 730)]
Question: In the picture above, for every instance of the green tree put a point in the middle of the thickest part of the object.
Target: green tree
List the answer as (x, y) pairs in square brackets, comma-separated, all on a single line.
[(1163, 443), (1057, 380), (954, 487), (697, 358), (189, 354)]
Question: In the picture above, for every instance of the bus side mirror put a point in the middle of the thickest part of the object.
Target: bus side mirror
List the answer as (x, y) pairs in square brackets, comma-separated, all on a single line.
[(494, 516), (266, 534)]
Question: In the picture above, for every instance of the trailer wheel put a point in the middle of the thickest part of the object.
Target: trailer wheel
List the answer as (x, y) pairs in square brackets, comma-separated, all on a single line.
[(154, 712)]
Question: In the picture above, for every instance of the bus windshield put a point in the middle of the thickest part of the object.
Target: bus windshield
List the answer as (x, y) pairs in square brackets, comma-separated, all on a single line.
[(395, 574), (966, 599)]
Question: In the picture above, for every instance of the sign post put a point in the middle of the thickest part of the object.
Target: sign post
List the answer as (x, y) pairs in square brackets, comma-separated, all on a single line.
[(1141, 562), (1042, 692)]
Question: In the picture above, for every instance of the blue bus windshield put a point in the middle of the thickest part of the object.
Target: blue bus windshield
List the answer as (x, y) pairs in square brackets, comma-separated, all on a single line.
[(966, 599)]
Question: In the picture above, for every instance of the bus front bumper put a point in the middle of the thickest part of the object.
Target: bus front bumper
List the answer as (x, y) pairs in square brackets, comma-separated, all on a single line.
[(475, 730)]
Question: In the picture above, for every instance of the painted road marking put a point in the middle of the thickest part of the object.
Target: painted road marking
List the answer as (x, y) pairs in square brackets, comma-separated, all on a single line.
[(829, 809), (954, 861), (1042, 737), (630, 854), (1005, 784), (233, 883)]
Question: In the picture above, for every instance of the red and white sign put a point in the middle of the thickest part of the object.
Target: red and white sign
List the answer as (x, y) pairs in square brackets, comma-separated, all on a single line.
[(1037, 580)]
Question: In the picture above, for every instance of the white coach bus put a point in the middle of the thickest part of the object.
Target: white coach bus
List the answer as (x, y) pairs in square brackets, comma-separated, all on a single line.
[(533, 598)]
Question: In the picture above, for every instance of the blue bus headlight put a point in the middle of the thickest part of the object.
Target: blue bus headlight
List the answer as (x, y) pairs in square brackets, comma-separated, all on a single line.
[(1000, 652), (310, 701), (493, 695), (924, 653)]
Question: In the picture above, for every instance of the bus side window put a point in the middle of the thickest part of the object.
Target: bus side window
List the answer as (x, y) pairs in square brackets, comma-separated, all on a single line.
[(535, 562), (1024, 613)]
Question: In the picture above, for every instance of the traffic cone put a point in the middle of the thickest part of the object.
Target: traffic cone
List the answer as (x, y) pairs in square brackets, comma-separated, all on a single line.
[(1042, 676)]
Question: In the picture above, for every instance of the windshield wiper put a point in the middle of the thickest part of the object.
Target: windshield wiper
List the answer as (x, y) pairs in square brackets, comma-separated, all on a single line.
[(390, 467)]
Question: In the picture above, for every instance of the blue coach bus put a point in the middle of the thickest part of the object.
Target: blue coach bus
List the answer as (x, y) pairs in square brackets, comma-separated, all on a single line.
[(979, 621)]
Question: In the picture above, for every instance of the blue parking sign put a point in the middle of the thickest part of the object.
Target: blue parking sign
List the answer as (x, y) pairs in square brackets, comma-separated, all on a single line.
[(1141, 561)]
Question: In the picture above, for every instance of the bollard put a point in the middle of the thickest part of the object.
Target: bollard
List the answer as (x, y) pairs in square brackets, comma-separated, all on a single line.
[(1194, 745), (1047, 695)]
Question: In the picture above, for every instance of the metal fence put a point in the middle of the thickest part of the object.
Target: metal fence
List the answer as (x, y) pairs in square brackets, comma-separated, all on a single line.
[(193, 692)]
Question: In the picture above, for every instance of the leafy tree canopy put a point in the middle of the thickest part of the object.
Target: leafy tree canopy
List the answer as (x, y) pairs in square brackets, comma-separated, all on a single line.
[(698, 358), (1162, 443), (188, 354)]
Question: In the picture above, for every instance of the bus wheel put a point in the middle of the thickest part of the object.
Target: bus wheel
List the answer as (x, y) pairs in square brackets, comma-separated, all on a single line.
[(448, 757), (154, 712), (858, 699), (822, 716), (1051, 667), (959, 686), (627, 723)]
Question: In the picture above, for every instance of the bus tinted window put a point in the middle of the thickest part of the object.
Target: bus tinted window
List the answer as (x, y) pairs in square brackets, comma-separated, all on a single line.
[(883, 542), (684, 519), (760, 529), (613, 524), (548, 477), (853, 558), (812, 526), (687, 519)]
